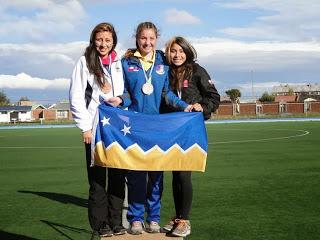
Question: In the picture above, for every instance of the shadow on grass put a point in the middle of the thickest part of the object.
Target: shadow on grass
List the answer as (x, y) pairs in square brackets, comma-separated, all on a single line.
[(12, 236), (64, 229), (60, 197)]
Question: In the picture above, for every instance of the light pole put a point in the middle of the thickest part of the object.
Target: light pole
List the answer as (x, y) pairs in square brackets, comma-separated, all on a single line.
[(252, 89)]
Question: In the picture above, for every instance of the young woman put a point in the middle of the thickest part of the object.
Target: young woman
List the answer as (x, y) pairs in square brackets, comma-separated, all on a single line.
[(98, 75), (192, 84), (146, 82)]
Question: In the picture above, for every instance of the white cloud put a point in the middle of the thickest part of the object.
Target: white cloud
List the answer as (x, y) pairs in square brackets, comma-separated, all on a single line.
[(283, 20), (231, 63), (180, 17), (232, 55), (39, 20), (25, 81), (41, 60)]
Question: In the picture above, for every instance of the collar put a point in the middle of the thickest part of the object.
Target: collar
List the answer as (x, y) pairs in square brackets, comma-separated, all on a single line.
[(146, 64), (112, 56)]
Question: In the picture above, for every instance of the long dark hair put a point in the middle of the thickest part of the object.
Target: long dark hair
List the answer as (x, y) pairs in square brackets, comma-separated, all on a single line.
[(142, 26), (91, 54), (178, 74)]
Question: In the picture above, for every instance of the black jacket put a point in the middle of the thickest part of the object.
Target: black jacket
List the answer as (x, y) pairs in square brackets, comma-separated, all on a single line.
[(199, 89)]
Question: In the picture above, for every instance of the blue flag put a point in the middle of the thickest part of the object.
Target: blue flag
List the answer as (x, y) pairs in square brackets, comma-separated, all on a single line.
[(137, 141)]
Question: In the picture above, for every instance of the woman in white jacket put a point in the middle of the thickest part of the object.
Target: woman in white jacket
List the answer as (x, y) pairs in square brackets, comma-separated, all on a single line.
[(98, 75)]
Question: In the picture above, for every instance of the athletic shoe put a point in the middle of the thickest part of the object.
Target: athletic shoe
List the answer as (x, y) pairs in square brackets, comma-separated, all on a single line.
[(136, 228), (168, 227), (119, 230), (153, 227), (105, 231), (182, 228)]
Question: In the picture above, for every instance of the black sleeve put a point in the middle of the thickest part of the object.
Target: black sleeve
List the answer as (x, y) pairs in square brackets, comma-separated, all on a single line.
[(210, 96)]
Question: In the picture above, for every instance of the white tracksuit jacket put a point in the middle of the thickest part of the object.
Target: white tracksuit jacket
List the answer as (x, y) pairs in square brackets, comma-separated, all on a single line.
[(81, 81)]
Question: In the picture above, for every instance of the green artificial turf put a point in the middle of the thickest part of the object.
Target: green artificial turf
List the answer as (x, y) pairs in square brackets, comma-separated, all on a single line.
[(261, 182)]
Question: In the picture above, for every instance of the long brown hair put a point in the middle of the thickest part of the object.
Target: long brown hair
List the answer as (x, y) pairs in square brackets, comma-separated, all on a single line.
[(142, 26), (91, 54), (178, 74)]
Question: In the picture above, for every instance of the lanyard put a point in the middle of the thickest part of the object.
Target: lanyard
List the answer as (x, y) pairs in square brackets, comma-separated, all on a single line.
[(107, 72), (109, 67), (179, 93), (148, 78)]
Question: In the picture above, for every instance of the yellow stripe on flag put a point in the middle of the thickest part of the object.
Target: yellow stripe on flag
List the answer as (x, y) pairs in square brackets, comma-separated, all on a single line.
[(134, 158)]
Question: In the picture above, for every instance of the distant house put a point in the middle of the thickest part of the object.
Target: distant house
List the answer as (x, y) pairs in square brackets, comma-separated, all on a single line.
[(62, 110), (15, 113), (301, 92), (286, 98), (225, 99)]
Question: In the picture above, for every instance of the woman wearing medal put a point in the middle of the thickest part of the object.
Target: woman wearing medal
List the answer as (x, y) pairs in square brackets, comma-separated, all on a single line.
[(98, 74), (146, 83), (191, 83)]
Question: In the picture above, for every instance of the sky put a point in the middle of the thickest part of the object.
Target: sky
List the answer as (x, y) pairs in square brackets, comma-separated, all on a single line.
[(251, 45)]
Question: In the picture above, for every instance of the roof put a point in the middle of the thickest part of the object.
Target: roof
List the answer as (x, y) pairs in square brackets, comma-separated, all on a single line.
[(38, 106), (315, 87), (286, 98), (61, 106), (225, 99), (15, 108), (310, 100)]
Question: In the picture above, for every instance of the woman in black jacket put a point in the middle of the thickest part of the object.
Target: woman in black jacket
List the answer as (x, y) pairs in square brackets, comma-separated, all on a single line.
[(192, 84)]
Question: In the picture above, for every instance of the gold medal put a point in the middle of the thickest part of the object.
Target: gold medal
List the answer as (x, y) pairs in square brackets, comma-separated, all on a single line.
[(147, 88)]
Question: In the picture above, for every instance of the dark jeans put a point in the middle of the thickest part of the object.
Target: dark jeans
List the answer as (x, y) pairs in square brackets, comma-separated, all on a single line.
[(182, 193), (104, 206)]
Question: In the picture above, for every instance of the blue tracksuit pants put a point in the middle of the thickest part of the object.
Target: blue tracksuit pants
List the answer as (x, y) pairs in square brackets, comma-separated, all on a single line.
[(144, 194)]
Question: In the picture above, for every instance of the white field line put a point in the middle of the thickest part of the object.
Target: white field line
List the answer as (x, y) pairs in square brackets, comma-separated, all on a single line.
[(210, 143), (303, 133)]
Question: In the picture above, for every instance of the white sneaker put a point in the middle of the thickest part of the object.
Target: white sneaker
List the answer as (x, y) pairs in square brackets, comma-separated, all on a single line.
[(135, 228), (182, 228), (153, 227)]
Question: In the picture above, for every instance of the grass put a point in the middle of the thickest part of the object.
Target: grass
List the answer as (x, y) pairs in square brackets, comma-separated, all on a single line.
[(261, 183)]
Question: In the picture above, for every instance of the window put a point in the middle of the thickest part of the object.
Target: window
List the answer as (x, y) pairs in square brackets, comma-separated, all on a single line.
[(62, 114)]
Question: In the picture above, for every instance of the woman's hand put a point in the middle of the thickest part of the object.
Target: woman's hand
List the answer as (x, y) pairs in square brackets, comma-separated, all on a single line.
[(188, 108), (87, 136), (114, 101), (197, 107)]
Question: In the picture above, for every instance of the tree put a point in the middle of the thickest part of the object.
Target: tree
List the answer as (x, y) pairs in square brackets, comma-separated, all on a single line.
[(233, 94), (4, 100), (290, 92), (25, 98), (266, 97)]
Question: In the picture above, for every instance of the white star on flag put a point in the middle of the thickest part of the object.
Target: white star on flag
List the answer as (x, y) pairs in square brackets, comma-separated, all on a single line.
[(105, 121), (126, 129)]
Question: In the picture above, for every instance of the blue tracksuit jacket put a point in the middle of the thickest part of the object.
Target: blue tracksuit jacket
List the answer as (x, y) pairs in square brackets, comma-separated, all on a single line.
[(143, 192), (135, 99)]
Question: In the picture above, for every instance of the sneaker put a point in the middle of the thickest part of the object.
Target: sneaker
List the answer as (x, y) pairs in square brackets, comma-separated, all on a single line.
[(136, 228), (105, 231), (119, 230), (182, 228), (168, 227), (153, 227)]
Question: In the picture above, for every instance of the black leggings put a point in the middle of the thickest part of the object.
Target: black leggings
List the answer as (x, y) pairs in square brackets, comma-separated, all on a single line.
[(104, 206), (182, 193)]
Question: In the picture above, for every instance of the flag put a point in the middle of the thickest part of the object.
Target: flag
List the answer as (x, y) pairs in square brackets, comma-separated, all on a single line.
[(137, 141)]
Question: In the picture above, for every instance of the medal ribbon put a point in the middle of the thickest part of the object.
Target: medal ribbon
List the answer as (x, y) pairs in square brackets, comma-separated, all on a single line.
[(107, 72), (148, 78)]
